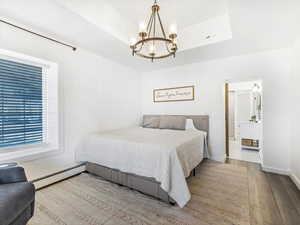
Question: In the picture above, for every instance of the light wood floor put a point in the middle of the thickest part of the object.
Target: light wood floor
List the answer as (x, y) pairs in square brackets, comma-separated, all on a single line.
[(273, 199), (235, 193)]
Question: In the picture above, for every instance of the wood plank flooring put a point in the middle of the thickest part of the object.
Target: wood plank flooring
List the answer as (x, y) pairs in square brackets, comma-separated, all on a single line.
[(273, 199), (235, 193)]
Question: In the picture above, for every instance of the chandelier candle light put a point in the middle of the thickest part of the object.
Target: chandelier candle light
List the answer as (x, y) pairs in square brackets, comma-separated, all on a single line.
[(152, 41)]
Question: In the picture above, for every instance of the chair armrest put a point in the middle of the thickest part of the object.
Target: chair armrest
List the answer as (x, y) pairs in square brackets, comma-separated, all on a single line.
[(12, 175)]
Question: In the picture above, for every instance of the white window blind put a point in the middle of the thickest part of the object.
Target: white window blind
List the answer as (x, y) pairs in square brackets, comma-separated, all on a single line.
[(23, 104)]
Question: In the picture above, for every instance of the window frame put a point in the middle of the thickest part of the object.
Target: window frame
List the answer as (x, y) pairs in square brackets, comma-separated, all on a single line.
[(52, 132)]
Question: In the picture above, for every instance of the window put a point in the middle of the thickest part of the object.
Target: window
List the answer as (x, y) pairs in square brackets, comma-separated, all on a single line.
[(21, 104), (29, 119)]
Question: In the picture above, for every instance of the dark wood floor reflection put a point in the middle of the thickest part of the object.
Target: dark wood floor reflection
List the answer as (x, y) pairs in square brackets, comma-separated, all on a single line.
[(273, 199)]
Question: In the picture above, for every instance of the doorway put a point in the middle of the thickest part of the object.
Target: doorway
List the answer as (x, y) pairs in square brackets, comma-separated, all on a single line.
[(244, 120)]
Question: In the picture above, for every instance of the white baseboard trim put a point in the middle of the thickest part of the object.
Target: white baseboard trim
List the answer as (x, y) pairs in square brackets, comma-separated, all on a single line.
[(50, 180), (237, 158), (218, 158), (293, 177), (275, 170), (296, 180)]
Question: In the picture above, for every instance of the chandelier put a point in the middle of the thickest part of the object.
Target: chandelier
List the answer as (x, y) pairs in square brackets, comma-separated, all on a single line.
[(152, 41)]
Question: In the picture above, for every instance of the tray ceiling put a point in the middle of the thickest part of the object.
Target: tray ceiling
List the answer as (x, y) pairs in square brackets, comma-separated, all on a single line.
[(105, 26)]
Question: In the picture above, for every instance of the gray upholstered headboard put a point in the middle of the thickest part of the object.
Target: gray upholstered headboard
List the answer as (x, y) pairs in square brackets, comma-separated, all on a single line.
[(201, 122)]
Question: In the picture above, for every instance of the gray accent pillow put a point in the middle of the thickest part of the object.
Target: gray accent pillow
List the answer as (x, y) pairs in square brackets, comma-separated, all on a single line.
[(172, 122), (151, 121)]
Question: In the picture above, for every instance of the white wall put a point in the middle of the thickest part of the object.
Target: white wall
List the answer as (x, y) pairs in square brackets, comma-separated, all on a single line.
[(272, 67), (95, 93), (295, 112)]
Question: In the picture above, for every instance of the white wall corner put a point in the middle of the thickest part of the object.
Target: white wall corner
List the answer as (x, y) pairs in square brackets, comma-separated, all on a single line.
[(296, 180), (275, 170)]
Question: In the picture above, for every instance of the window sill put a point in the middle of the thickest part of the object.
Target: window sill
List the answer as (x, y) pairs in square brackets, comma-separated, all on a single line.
[(28, 153)]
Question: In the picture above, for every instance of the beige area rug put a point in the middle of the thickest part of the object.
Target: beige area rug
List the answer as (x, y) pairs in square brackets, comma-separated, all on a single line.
[(219, 197)]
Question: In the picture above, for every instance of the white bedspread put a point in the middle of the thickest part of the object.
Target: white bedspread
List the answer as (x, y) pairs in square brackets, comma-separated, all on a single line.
[(166, 155)]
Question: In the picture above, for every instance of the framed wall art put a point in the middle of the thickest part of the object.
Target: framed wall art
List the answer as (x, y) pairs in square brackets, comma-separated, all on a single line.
[(185, 93)]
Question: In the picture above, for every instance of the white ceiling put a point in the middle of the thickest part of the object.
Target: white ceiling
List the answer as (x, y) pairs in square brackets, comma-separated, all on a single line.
[(121, 18), (172, 11), (104, 26)]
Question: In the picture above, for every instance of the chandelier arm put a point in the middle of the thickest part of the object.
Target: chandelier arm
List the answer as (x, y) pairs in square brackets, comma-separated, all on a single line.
[(141, 47), (167, 47), (154, 26), (150, 20), (151, 24), (161, 26)]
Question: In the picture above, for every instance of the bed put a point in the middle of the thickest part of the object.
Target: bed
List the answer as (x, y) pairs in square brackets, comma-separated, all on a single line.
[(153, 161)]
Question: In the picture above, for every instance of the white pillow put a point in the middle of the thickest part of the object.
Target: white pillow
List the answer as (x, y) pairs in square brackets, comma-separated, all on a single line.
[(190, 124)]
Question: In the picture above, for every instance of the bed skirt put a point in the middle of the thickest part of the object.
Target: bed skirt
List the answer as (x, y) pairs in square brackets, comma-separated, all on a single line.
[(145, 185)]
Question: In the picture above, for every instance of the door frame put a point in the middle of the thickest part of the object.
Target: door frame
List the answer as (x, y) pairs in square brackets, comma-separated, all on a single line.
[(225, 91), (227, 119)]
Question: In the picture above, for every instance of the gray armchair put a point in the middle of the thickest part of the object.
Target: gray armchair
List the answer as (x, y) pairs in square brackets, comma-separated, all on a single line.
[(16, 196)]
